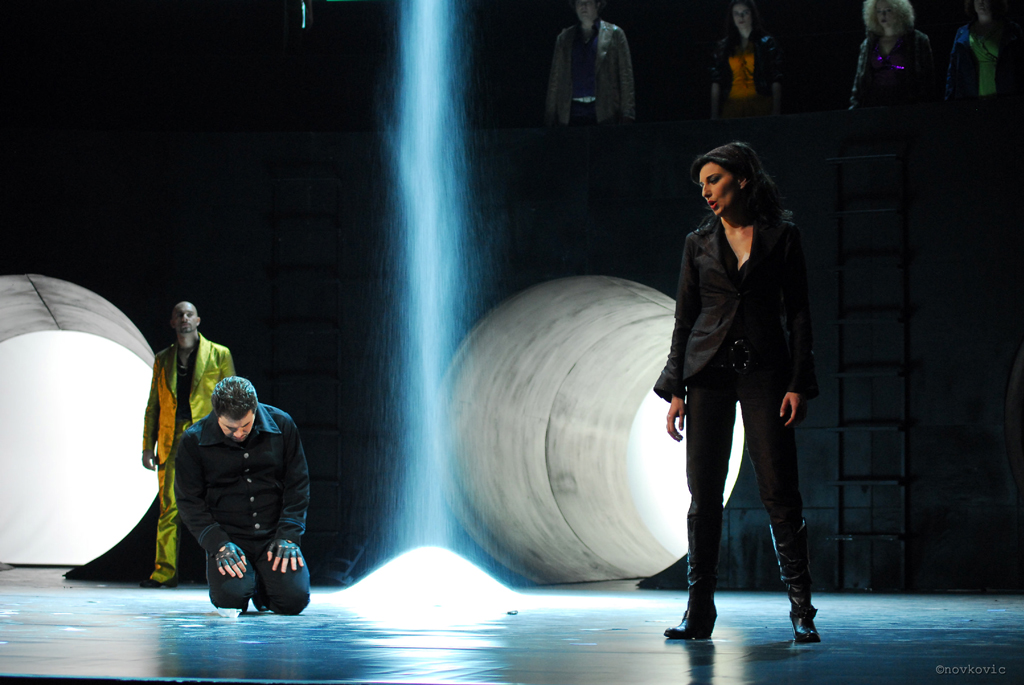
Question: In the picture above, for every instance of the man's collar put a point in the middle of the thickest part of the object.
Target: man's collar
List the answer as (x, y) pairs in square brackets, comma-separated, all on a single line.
[(200, 344), (264, 422), (597, 29), (199, 340), (213, 435)]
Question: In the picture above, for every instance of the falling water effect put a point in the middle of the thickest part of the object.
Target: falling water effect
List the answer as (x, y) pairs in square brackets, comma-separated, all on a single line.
[(429, 162)]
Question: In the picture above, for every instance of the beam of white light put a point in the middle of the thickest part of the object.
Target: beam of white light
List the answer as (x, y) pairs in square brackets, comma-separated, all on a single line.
[(429, 168), (71, 410), (657, 473)]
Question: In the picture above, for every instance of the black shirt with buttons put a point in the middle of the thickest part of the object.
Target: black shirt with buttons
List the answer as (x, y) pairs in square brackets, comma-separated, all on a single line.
[(252, 491)]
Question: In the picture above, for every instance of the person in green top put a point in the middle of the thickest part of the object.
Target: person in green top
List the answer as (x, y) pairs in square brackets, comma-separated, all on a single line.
[(987, 53)]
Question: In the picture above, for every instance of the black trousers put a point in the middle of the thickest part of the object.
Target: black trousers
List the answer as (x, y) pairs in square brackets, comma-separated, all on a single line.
[(710, 415), (283, 593)]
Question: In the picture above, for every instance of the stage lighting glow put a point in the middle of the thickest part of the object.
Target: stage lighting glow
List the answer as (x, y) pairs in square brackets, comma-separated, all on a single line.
[(657, 473), (428, 587), (71, 409)]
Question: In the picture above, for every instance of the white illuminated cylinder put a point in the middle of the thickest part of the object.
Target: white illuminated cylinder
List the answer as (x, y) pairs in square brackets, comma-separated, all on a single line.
[(563, 469), (72, 398), (657, 466)]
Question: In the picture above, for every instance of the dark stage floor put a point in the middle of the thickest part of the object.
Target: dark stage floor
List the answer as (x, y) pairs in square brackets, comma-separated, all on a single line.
[(592, 634)]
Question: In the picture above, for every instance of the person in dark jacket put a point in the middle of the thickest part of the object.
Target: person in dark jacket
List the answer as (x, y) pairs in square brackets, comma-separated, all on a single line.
[(987, 54), (895, 65), (591, 79), (743, 271), (243, 491), (746, 76)]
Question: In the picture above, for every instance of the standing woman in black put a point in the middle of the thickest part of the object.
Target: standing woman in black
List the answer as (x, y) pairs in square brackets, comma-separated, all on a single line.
[(743, 271)]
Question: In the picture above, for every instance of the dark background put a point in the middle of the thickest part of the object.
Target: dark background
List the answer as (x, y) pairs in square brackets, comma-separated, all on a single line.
[(221, 64), (159, 151)]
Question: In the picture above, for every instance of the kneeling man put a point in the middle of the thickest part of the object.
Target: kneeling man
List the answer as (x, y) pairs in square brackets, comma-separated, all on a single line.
[(243, 489)]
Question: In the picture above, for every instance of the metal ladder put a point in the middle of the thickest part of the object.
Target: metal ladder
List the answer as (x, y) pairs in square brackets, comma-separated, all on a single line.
[(872, 514)]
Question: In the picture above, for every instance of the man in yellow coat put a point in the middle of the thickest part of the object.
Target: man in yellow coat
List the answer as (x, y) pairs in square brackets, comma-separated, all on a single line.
[(184, 376)]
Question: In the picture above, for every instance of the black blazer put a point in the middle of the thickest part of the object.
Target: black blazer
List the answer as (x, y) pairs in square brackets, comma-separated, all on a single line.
[(773, 291), (767, 65)]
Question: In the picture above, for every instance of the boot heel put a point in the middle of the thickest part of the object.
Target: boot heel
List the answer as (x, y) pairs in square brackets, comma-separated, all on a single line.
[(803, 626), (693, 627)]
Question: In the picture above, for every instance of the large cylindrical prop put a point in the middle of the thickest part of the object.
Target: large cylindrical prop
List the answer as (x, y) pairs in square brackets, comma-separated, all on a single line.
[(75, 377), (547, 391)]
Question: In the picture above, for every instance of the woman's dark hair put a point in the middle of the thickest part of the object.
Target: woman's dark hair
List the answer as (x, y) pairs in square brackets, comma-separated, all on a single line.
[(999, 9), (761, 193), (732, 34)]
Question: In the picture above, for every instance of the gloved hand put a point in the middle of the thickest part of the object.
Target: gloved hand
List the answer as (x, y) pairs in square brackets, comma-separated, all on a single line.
[(283, 550), (149, 459), (230, 560)]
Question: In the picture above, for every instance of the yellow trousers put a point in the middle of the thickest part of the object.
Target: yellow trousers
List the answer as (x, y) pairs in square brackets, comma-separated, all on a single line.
[(166, 568)]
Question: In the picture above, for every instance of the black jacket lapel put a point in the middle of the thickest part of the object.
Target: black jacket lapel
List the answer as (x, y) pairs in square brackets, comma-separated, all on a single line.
[(761, 246)]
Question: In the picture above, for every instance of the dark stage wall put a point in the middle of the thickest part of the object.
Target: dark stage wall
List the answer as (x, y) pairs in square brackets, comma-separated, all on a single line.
[(146, 219)]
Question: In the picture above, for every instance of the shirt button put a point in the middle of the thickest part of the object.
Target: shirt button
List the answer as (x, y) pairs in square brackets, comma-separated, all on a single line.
[(246, 455), (257, 526), (254, 514), (247, 470), (248, 480), (252, 499)]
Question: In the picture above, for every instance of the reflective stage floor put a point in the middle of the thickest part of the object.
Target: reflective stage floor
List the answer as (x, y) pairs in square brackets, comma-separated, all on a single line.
[(592, 634)]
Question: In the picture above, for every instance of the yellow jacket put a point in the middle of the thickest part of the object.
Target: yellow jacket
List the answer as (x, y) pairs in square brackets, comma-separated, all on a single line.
[(213, 362)]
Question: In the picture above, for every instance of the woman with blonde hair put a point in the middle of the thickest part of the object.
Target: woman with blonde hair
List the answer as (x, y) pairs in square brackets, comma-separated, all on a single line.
[(895, 65)]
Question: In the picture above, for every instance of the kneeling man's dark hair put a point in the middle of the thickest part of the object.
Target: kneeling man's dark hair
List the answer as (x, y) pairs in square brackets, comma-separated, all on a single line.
[(234, 397)]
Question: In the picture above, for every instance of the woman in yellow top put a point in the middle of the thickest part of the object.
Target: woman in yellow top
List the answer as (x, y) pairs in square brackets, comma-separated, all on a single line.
[(746, 80)]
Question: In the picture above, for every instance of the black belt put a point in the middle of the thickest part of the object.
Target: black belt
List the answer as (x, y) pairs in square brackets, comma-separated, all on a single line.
[(738, 356)]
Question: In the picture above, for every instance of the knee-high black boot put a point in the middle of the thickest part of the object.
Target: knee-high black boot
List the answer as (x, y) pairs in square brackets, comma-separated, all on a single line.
[(704, 534), (791, 550)]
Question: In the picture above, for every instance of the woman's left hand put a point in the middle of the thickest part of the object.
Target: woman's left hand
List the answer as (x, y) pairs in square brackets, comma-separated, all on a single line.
[(794, 404)]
